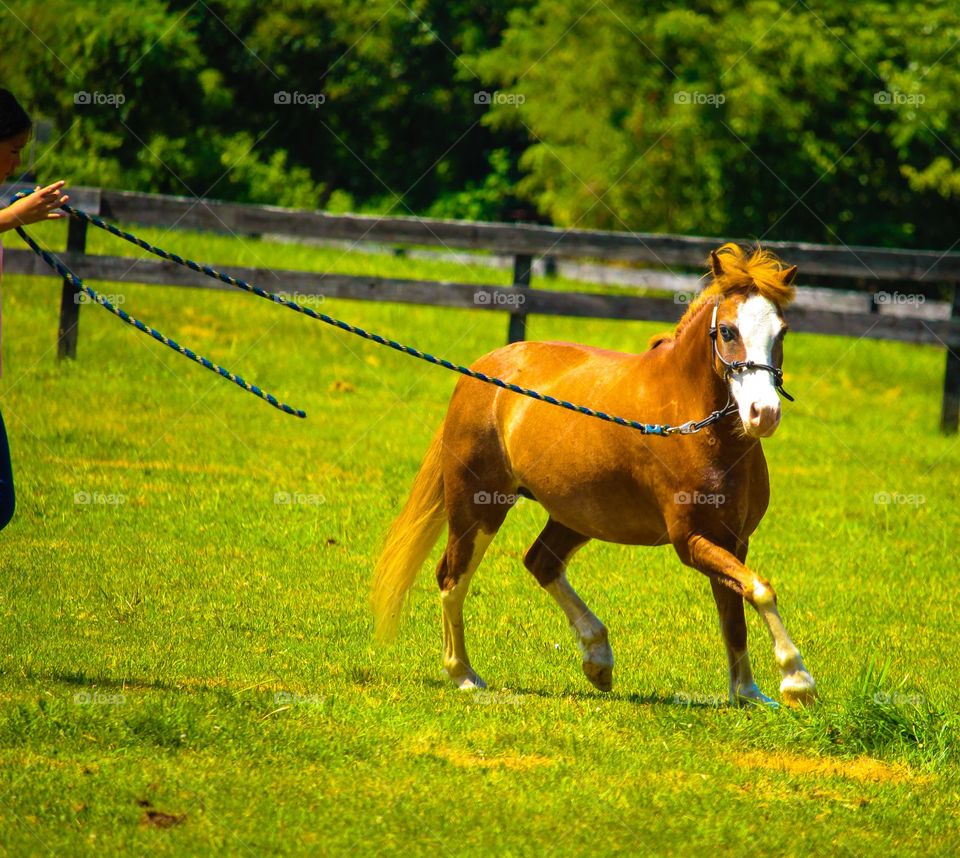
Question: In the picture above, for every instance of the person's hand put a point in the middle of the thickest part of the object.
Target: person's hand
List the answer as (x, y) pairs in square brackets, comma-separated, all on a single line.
[(42, 204)]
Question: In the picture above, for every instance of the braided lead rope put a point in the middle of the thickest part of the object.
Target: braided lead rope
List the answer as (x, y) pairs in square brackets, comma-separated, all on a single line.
[(79, 285), (662, 429)]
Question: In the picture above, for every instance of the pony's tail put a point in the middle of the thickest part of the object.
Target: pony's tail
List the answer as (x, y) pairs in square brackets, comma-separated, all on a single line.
[(408, 542)]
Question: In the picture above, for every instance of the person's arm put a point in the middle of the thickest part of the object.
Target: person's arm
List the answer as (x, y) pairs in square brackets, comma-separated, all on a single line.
[(42, 204)]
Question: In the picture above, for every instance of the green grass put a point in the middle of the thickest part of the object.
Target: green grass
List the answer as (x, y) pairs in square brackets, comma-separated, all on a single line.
[(191, 671)]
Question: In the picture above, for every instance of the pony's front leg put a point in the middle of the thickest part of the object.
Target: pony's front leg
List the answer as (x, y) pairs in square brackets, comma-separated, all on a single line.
[(743, 688), (797, 686)]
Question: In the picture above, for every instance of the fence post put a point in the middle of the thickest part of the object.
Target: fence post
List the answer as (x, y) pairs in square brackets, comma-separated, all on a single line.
[(69, 305), (950, 415), (517, 330)]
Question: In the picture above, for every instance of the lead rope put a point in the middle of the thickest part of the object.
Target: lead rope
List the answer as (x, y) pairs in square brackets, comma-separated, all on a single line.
[(662, 429)]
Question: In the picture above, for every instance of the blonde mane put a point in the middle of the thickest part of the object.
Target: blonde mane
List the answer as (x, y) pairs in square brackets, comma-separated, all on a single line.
[(760, 272)]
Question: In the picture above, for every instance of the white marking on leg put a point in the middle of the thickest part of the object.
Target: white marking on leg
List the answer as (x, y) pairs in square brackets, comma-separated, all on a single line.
[(591, 633), (455, 660), (797, 685)]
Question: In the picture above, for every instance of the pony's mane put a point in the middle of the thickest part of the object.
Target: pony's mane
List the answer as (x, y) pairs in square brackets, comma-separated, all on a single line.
[(760, 272)]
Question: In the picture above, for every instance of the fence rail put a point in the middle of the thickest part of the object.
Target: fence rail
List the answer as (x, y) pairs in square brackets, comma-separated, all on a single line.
[(522, 241)]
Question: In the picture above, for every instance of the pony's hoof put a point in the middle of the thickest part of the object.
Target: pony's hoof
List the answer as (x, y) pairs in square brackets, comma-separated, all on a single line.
[(798, 689), (600, 675), (468, 681), (598, 665), (750, 695), (597, 661)]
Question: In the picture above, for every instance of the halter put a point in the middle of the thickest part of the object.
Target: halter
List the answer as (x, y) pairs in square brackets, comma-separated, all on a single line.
[(730, 367)]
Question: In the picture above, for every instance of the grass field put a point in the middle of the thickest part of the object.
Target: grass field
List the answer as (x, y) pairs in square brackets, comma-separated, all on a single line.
[(186, 665)]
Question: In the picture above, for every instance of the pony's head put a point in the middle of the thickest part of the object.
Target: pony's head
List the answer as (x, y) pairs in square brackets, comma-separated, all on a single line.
[(746, 299)]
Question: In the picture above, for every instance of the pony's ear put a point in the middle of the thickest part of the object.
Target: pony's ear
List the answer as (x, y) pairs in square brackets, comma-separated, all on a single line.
[(789, 275), (715, 264)]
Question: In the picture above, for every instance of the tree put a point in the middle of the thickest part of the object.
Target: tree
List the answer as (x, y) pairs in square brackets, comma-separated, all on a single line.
[(821, 121)]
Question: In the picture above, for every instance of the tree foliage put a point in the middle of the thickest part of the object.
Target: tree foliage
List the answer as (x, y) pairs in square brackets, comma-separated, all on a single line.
[(289, 102), (823, 121), (818, 120)]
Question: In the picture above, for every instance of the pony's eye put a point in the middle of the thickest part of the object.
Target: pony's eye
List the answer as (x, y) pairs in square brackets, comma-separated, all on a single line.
[(727, 334)]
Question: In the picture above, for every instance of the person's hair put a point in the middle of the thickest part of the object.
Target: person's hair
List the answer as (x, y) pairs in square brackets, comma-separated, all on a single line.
[(13, 118)]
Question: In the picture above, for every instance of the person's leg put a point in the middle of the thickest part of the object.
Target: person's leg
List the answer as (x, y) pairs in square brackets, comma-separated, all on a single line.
[(7, 497)]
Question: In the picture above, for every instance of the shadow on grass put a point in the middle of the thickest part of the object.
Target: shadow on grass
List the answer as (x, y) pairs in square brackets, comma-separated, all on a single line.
[(677, 700), (80, 679)]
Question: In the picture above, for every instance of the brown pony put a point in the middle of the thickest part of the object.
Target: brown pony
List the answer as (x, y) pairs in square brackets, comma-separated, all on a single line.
[(704, 493)]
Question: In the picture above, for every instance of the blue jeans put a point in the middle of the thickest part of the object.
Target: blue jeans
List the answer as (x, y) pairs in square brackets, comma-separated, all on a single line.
[(7, 498)]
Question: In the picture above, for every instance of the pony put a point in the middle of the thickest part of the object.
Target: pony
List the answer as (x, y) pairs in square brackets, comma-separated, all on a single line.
[(704, 493)]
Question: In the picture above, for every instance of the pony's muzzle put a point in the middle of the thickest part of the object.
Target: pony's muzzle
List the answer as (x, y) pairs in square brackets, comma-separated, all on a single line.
[(762, 419)]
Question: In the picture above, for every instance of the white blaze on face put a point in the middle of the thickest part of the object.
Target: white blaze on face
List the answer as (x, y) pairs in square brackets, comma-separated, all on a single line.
[(754, 390)]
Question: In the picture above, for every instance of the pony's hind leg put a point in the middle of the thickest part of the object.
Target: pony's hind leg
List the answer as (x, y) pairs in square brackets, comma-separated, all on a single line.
[(478, 494), (547, 560), (464, 551)]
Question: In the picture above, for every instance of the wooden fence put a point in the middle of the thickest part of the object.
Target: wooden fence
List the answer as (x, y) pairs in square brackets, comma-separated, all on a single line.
[(523, 242)]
